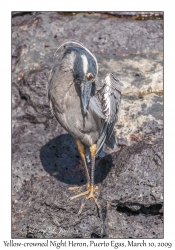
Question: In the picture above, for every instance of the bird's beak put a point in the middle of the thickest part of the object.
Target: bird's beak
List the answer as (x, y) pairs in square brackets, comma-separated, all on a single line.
[(85, 95)]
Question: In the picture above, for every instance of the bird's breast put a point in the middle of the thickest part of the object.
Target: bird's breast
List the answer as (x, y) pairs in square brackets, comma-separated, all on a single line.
[(67, 107)]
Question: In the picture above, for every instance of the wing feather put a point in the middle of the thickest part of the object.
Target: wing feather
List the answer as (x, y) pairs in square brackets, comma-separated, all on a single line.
[(110, 102), (95, 106)]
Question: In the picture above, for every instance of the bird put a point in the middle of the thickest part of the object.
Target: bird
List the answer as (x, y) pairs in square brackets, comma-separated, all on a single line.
[(85, 106)]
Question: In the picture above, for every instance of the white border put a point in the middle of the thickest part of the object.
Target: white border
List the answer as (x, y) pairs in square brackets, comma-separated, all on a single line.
[(5, 94)]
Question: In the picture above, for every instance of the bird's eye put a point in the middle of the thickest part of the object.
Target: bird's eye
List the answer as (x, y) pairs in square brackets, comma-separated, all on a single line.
[(89, 76)]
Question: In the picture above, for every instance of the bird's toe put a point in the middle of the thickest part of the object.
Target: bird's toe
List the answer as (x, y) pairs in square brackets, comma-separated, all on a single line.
[(89, 194), (77, 188)]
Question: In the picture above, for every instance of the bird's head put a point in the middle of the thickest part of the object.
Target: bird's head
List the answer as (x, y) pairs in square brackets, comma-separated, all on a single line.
[(84, 68)]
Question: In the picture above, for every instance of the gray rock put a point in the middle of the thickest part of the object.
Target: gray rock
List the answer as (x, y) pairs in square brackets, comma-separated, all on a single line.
[(130, 193)]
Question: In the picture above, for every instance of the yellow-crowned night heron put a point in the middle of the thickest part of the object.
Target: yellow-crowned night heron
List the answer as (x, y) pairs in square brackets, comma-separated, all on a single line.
[(85, 106)]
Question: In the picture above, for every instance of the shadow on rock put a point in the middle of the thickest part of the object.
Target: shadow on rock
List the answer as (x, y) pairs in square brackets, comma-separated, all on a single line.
[(61, 159)]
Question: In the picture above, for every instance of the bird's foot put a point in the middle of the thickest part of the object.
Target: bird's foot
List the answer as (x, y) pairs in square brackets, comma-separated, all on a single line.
[(91, 190), (90, 193)]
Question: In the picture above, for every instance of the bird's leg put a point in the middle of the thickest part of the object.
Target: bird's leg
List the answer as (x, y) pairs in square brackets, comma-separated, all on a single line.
[(92, 188), (81, 150), (82, 153), (90, 181)]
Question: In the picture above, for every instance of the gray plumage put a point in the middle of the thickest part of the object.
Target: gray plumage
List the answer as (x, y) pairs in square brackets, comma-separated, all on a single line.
[(85, 106)]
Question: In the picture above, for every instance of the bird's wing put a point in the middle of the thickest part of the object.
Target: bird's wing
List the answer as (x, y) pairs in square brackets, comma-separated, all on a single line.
[(95, 107), (110, 98)]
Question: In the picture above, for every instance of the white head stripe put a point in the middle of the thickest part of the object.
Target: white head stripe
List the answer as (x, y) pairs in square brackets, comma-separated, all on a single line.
[(81, 45), (85, 63)]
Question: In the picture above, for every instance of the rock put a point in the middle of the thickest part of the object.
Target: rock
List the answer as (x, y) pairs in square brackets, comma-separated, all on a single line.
[(130, 193), (126, 224), (45, 161)]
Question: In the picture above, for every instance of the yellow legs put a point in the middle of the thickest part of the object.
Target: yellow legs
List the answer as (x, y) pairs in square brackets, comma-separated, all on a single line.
[(82, 153), (90, 181)]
